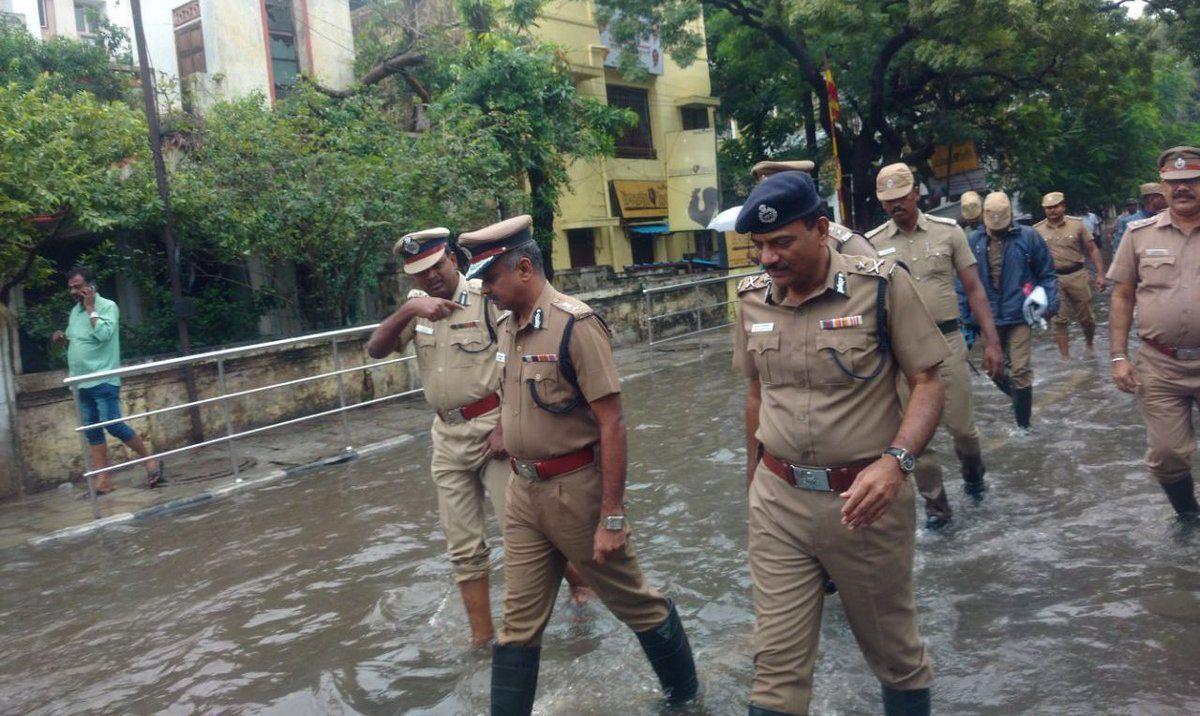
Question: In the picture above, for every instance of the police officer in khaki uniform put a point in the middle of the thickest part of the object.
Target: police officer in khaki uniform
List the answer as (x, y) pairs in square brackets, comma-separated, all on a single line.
[(453, 328), (970, 208), (844, 239), (562, 423), (1069, 240), (821, 338), (1157, 269), (935, 252)]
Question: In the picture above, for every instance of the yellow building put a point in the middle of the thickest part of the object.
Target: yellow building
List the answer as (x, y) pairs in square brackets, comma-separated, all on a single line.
[(651, 202)]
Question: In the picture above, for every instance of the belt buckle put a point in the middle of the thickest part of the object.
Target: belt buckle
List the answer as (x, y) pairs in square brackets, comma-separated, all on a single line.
[(454, 417), (1187, 353), (808, 478), (527, 470)]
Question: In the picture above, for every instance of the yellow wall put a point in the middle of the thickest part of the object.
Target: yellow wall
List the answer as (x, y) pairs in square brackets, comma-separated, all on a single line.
[(573, 26)]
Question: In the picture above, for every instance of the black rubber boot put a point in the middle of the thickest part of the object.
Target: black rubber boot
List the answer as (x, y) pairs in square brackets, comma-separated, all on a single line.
[(905, 703), (972, 474), (760, 711), (1005, 386), (1182, 495), (667, 648), (1022, 406), (514, 679)]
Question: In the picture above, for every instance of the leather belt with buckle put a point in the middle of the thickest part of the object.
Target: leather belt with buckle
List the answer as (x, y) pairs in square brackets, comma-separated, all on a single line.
[(1176, 353), (948, 326), (535, 470), (819, 479), (471, 410)]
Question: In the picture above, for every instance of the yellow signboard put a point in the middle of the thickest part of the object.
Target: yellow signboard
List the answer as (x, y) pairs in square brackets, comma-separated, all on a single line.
[(641, 199), (952, 160), (739, 248)]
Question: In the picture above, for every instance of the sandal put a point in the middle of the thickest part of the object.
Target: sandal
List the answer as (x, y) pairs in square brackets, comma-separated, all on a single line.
[(154, 477)]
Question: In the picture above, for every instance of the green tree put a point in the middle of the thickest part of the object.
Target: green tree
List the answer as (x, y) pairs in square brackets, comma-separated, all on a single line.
[(911, 75), (68, 164), (70, 65)]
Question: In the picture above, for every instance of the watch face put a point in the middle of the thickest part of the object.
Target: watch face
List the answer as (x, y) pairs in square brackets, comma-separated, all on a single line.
[(908, 463)]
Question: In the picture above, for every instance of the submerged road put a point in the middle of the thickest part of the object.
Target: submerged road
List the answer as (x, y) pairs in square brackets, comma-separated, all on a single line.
[(1068, 590)]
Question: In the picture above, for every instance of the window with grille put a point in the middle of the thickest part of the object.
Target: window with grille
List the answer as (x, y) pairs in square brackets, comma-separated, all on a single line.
[(638, 140), (285, 61), (694, 117)]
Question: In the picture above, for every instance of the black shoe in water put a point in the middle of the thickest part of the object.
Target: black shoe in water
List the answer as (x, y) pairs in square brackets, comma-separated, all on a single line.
[(670, 655), (514, 679), (1182, 496)]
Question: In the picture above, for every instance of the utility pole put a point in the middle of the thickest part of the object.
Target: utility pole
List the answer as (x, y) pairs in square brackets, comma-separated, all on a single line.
[(168, 239)]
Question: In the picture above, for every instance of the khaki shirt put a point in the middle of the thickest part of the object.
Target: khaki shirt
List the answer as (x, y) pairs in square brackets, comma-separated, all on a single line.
[(934, 253), (996, 257), (1165, 266), (528, 354), (1066, 241), (849, 242), (456, 356), (813, 413)]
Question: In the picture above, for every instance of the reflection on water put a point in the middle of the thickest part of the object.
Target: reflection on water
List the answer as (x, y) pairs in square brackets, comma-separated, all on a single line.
[(1069, 590)]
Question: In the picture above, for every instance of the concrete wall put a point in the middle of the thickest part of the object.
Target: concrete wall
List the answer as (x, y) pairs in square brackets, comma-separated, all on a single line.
[(50, 448)]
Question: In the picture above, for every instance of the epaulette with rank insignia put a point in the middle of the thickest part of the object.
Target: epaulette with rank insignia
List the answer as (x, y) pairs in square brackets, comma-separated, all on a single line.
[(751, 283), (1141, 223), (877, 229), (869, 266), (475, 285), (840, 234), (941, 220), (571, 306), (1040, 223), (1075, 218)]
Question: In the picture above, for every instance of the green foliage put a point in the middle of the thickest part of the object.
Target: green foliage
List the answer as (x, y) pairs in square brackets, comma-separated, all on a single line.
[(70, 65), (70, 155)]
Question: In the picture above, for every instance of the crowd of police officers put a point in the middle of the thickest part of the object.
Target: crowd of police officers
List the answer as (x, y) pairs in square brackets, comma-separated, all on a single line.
[(855, 350)]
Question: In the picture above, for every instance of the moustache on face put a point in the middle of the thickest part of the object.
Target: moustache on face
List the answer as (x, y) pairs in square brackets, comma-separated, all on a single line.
[(777, 266)]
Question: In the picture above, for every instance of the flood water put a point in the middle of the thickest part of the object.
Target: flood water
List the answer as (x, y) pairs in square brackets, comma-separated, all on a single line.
[(1069, 590)]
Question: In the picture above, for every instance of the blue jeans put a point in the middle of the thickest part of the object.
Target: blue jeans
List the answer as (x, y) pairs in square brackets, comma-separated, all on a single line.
[(98, 404)]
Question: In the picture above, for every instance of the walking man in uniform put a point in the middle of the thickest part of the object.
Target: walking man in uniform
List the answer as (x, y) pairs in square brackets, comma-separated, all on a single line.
[(563, 425), (1157, 269), (935, 251), (1152, 202), (970, 208), (1069, 240), (1017, 273), (453, 329), (822, 337)]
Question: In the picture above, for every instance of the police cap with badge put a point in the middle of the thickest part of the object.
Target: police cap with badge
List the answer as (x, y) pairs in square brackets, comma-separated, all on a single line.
[(483, 246), (777, 201), (421, 250), (1179, 163)]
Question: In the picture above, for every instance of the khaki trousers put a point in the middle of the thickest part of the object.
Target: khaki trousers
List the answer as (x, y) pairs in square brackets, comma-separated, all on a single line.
[(1015, 342), (547, 524), (796, 536), (958, 418), (1169, 393), (1075, 296), (463, 469)]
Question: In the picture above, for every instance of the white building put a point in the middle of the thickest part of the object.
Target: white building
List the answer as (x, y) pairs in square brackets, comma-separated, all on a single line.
[(217, 48)]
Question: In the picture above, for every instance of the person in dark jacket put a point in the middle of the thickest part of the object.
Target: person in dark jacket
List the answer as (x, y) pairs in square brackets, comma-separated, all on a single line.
[(1017, 272)]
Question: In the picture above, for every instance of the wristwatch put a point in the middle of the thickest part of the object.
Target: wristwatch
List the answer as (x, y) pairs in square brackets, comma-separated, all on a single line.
[(907, 460), (616, 523)]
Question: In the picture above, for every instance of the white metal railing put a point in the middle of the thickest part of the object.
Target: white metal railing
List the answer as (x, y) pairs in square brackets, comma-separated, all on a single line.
[(697, 310), (223, 396)]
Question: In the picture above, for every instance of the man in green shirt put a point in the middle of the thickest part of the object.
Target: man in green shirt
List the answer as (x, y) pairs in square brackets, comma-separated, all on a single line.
[(93, 344)]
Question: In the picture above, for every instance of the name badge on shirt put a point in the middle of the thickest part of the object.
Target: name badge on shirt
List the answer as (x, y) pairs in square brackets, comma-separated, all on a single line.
[(499, 357), (830, 324), (1157, 252), (762, 327), (424, 329), (886, 252)]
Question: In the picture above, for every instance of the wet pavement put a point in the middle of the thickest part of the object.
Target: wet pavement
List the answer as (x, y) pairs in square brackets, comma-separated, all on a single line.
[(1068, 590)]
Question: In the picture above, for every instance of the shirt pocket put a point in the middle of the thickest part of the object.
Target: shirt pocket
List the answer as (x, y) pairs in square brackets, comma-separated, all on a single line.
[(764, 351), (545, 384), (424, 343), (936, 263), (466, 345), (853, 350), (1156, 271)]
